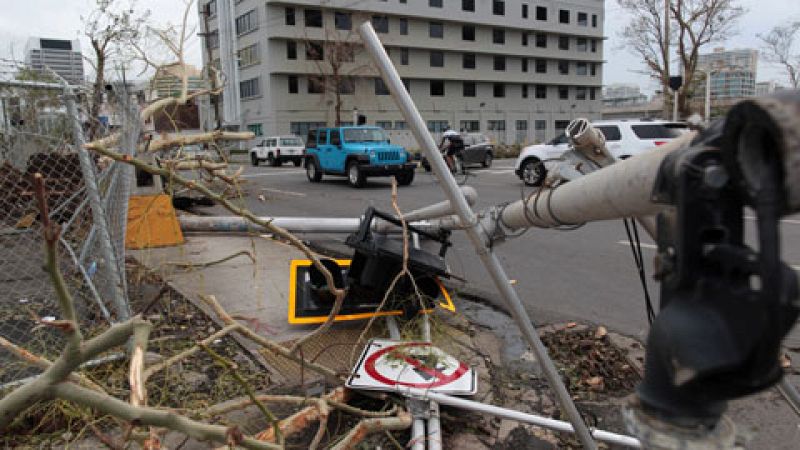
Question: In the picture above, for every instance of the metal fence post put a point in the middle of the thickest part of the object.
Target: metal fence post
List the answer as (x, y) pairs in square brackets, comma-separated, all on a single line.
[(109, 266)]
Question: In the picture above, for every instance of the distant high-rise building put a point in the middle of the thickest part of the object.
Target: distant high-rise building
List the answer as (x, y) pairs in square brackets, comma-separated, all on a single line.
[(767, 87), (167, 82), (733, 73), (623, 94), (61, 55)]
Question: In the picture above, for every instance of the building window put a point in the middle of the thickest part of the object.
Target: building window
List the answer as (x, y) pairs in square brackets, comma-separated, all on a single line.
[(400, 125), (541, 66), (498, 7), (468, 5), (541, 40), (541, 91), (437, 88), (563, 93), (524, 64), (293, 88), (380, 87), (522, 125), (524, 11), (580, 93), (594, 20), (524, 92), (435, 3), (247, 22), (468, 61), (213, 39), (343, 21), (469, 89), (404, 27), (592, 94), (406, 84), (381, 24), (563, 42), (471, 126), (593, 69), (404, 56), (541, 13), (249, 88), (313, 18), (582, 45), (315, 51), (563, 16), (290, 16), (581, 69), (316, 85), (291, 50), (385, 124), (346, 86), (468, 33), (255, 128), (498, 36), (561, 125), (437, 58), (499, 63), (499, 90), (211, 8), (583, 19), (524, 39), (436, 30), (594, 46), (496, 125), (563, 67), (539, 125), (437, 126), (248, 56)]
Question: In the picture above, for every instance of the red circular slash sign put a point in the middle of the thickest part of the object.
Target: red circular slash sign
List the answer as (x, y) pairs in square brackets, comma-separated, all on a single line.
[(440, 378)]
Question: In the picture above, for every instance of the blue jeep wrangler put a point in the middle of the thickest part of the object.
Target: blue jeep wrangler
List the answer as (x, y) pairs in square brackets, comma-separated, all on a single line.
[(356, 152)]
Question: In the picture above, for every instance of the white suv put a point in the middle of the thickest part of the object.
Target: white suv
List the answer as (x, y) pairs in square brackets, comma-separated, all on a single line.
[(278, 149), (624, 138)]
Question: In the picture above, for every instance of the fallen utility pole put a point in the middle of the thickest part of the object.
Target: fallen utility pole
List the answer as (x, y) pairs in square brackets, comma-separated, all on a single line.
[(476, 235)]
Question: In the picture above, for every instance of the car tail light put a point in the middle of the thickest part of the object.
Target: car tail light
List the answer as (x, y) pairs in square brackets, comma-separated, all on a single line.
[(660, 142)]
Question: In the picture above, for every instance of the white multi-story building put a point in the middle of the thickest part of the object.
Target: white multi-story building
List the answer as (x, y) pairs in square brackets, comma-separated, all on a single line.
[(623, 94), (62, 56), (518, 70), (733, 73)]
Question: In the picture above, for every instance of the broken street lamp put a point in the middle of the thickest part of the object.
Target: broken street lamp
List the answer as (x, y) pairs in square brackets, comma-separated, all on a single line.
[(377, 260)]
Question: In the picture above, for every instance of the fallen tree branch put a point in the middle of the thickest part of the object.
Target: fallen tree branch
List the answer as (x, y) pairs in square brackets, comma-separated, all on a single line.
[(368, 426), (200, 138), (203, 265), (188, 352)]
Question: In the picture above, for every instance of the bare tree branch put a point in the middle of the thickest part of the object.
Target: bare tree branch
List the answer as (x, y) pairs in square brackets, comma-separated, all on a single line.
[(778, 47)]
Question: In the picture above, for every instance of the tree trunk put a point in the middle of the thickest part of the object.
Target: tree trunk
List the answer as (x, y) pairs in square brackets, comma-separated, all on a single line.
[(97, 94)]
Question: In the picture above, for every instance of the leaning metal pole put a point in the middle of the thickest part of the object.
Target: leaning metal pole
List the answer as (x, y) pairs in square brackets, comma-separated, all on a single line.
[(98, 214), (473, 230)]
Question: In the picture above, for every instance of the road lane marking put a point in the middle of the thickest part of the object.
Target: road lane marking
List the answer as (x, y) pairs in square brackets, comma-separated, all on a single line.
[(652, 246), (280, 191), (272, 174)]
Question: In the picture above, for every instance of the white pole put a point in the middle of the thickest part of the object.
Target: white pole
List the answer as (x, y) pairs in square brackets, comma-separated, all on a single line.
[(675, 105), (708, 97), (473, 230)]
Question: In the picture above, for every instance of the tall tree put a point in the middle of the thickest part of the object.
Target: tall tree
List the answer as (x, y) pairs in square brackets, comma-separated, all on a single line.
[(692, 24), (109, 26), (778, 47)]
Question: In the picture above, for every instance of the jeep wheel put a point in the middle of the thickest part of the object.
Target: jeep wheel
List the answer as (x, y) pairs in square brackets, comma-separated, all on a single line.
[(253, 159), (312, 171), (405, 178), (272, 161), (487, 160), (355, 176), (533, 172)]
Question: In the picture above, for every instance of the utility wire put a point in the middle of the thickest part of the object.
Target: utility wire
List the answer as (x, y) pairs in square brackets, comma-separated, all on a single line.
[(638, 258)]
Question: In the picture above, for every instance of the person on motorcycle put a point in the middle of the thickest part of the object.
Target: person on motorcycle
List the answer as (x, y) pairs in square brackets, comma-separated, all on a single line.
[(452, 145)]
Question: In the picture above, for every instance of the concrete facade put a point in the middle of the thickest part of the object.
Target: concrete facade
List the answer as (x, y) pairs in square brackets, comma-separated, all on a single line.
[(733, 73), (509, 77), (61, 55)]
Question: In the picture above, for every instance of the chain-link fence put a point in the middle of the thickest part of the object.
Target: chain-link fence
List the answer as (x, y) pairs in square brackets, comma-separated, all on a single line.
[(41, 132)]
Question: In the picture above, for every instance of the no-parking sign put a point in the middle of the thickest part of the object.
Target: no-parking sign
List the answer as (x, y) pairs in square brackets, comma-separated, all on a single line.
[(390, 365)]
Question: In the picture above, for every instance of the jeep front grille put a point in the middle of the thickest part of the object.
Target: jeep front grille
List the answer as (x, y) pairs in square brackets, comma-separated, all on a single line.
[(388, 156)]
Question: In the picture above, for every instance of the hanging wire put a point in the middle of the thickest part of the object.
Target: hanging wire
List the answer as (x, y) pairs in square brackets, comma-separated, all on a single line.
[(632, 231)]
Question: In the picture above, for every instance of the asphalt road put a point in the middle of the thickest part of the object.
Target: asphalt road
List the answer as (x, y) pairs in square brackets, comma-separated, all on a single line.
[(586, 275)]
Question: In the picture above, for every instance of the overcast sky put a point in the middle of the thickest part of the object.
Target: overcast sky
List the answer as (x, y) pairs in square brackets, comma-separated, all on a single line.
[(62, 19)]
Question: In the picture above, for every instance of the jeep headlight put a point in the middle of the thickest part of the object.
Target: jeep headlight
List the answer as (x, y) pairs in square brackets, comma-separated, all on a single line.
[(372, 154)]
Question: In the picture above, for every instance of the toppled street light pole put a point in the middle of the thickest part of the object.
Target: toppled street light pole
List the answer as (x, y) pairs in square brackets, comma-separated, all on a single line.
[(476, 235)]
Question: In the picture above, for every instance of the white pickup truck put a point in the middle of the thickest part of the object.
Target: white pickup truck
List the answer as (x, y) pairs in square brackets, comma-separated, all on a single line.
[(278, 149)]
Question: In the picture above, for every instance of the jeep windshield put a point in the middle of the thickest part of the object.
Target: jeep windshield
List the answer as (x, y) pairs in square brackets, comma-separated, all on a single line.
[(291, 141), (364, 135)]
